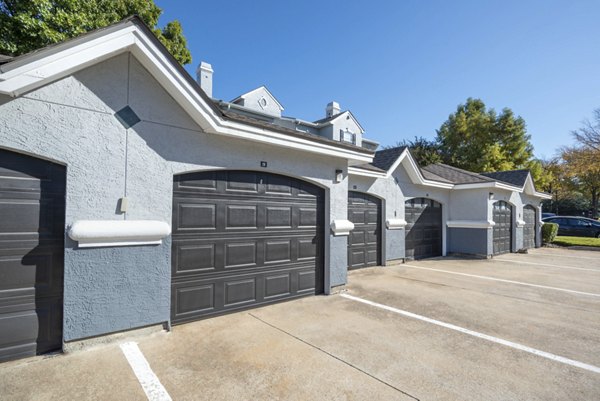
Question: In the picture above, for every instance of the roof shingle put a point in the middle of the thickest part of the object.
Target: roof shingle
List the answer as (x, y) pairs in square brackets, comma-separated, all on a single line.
[(455, 175), (513, 177)]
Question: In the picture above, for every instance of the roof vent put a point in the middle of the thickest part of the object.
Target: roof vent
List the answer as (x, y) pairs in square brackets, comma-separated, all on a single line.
[(332, 109)]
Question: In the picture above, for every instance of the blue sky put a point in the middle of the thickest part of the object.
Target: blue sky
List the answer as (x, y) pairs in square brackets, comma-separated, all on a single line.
[(403, 66)]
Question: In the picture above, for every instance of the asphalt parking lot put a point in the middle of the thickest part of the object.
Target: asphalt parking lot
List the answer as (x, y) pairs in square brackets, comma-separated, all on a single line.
[(517, 327)]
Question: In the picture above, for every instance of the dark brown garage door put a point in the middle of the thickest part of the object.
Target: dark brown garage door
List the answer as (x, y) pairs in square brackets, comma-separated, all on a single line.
[(242, 239), (364, 242), (423, 228), (529, 228), (502, 215), (32, 218)]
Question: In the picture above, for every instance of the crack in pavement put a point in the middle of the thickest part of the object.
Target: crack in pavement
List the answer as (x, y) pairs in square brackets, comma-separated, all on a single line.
[(334, 357)]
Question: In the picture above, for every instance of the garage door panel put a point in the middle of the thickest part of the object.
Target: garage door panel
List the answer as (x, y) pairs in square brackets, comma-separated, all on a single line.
[(277, 285), (195, 216), (529, 230), (279, 217), (31, 255), (265, 230), (502, 230), (424, 228), (240, 216), (364, 241)]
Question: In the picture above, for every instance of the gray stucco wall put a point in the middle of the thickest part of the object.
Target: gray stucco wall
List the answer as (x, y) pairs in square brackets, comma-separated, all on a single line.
[(472, 241), (71, 122)]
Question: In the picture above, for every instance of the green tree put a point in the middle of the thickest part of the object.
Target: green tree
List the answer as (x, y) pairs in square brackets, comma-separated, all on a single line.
[(425, 151), (27, 25), (477, 139)]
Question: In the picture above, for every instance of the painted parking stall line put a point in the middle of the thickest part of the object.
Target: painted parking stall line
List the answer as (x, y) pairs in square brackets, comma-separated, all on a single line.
[(545, 264), (566, 256), (591, 294), (483, 336), (148, 380)]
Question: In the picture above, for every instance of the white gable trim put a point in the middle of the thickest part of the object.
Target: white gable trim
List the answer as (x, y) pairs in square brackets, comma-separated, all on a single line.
[(79, 54), (345, 113)]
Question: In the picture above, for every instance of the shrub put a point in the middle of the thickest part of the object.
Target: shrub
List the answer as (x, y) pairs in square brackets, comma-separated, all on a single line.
[(549, 231)]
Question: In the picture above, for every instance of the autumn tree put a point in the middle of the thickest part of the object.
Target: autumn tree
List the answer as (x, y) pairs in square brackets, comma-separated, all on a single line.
[(582, 161), (27, 25)]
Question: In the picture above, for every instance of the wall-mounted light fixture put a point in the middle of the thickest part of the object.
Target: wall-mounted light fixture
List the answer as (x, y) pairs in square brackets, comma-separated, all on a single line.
[(491, 195), (339, 176)]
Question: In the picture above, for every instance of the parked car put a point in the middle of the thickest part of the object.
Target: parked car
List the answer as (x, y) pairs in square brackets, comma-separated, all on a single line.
[(544, 215), (575, 226)]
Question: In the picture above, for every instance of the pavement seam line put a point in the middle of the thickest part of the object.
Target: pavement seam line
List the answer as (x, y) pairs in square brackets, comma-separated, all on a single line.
[(334, 357), (546, 264), (504, 280), (146, 377), (483, 336)]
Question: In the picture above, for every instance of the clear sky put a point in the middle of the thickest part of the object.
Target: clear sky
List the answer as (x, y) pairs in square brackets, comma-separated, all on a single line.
[(403, 66)]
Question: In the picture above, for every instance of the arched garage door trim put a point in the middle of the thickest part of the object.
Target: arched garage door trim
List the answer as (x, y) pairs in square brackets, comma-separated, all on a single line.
[(32, 220), (242, 239), (424, 228), (366, 242)]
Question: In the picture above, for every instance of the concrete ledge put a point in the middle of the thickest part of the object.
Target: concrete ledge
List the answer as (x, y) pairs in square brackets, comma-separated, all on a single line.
[(91, 342)]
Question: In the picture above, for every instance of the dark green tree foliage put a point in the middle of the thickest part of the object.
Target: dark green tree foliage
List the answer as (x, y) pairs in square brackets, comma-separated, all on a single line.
[(477, 139), (425, 151), (27, 25)]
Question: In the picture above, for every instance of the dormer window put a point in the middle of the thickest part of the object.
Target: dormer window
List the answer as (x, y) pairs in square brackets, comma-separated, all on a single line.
[(347, 136)]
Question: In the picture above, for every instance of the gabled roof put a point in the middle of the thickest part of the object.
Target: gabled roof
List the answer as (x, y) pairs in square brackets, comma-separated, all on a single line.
[(514, 177), (243, 96), (41, 67), (336, 116), (456, 175)]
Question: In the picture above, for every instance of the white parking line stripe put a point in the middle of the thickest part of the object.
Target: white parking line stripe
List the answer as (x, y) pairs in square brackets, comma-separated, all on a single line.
[(565, 256), (148, 380), (545, 264), (503, 280), (496, 340)]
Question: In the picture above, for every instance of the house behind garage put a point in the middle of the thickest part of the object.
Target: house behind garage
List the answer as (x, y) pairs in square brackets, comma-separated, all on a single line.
[(130, 198)]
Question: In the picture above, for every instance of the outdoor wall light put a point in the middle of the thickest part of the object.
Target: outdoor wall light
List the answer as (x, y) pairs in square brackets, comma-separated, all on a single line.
[(491, 196), (339, 176)]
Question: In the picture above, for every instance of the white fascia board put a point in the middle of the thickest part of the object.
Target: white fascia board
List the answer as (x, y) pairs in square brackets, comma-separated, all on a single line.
[(470, 223), (542, 195), (414, 172), (493, 184), (130, 38), (366, 173), (55, 66)]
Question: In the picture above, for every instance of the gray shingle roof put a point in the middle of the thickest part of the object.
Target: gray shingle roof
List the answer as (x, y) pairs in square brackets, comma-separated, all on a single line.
[(455, 175), (370, 167), (428, 175), (513, 177), (265, 124), (384, 159)]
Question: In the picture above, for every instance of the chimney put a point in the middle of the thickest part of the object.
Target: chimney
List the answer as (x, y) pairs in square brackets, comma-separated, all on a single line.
[(332, 109), (204, 74)]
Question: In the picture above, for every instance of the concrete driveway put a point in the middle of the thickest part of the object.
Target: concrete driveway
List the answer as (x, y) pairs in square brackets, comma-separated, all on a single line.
[(518, 327)]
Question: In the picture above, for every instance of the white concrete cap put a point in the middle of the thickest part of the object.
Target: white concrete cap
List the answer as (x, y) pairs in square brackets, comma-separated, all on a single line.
[(103, 233), (342, 227)]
